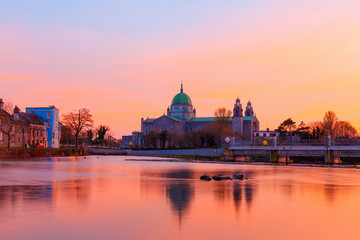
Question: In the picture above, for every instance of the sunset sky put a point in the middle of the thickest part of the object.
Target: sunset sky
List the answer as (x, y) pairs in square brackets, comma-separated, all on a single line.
[(125, 60)]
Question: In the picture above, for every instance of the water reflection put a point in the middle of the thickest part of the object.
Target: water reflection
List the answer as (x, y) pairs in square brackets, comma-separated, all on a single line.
[(179, 186), (11, 195), (74, 190), (237, 194), (176, 184), (180, 195), (242, 192), (112, 199), (44, 196)]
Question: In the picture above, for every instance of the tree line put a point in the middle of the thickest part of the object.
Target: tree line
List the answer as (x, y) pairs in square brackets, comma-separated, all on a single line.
[(78, 128), (329, 126)]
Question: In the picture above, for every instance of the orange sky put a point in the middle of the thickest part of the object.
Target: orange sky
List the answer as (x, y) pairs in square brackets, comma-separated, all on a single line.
[(293, 59)]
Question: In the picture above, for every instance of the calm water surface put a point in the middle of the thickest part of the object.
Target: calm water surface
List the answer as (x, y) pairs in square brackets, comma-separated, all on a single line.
[(110, 198)]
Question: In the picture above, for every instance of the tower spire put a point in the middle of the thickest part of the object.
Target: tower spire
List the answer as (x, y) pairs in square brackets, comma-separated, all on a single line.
[(181, 90)]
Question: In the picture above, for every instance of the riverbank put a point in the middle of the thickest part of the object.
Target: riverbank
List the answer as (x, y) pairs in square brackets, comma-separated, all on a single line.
[(184, 157), (40, 152), (189, 154), (189, 160)]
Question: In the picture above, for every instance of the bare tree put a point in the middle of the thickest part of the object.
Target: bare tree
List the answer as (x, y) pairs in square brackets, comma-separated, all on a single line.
[(222, 115), (222, 124), (163, 137), (10, 130), (329, 123), (78, 122), (9, 107), (344, 129), (151, 138)]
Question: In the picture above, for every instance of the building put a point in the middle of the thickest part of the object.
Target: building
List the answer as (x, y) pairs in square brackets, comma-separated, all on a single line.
[(29, 130), (53, 127), (266, 134), (181, 118), (135, 139), (21, 129), (5, 126)]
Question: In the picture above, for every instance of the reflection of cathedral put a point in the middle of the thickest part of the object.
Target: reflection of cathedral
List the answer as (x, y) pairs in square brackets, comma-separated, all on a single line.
[(181, 118), (180, 188)]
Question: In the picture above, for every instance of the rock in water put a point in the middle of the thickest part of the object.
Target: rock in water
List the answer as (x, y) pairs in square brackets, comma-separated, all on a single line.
[(221, 178), (205, 177), (239, 176)]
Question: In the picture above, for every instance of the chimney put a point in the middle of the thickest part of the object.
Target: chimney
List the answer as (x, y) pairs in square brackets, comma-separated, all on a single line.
[(16, 109), (1, 104), (16, 112)]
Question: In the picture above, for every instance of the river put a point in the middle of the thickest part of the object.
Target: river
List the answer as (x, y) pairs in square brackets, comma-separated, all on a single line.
[(113, 198)]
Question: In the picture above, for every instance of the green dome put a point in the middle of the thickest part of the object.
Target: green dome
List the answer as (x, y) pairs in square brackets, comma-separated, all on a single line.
[(181, 98)]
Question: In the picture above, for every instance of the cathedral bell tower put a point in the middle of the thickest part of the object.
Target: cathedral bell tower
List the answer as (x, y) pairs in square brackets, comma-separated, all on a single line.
[(237, 119), (249, 109), (238, 111)]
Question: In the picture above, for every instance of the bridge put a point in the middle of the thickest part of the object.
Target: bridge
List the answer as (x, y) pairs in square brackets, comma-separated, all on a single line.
[(103, 150), (332, 151)]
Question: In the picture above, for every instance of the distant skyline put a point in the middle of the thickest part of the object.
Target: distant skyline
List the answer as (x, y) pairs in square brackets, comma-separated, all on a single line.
[(125, 60)]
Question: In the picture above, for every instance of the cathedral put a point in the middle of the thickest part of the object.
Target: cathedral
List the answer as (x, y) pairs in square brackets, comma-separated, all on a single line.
[(181, 118)]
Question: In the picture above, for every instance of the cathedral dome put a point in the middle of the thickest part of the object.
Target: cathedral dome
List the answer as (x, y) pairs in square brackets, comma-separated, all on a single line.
[(181, 98), (181, 107)]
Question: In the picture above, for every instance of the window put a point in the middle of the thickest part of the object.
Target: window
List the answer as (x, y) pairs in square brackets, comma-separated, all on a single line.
[(1, 122), (47, 124), (13, 139), (48, 114), (1, 137)]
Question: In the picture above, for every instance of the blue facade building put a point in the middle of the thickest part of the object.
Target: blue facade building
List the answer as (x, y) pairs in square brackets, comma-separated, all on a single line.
[(51, 116)]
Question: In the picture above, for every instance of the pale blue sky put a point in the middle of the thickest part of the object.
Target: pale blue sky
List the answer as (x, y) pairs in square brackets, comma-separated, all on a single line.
[(113, 56)]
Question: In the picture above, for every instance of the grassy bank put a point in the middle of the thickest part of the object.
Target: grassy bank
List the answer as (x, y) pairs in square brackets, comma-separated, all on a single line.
[(40, 152)]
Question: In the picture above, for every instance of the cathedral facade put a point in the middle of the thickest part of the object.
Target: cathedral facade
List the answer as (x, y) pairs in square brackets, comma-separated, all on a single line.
[(181, 118)]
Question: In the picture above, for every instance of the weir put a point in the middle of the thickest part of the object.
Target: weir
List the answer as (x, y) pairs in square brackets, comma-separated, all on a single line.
[(331, 155)]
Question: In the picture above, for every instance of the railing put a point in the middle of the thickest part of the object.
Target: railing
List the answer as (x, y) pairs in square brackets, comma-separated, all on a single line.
[(345, 142), (293, 142)]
